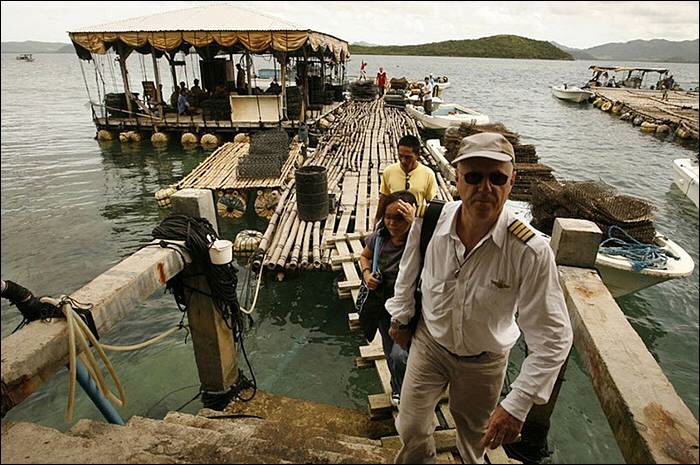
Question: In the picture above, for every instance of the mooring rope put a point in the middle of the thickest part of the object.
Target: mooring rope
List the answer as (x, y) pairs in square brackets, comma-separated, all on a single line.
[(639, 254)]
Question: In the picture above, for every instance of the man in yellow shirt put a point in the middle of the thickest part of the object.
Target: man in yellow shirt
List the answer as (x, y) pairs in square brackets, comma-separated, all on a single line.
[(408, 174)]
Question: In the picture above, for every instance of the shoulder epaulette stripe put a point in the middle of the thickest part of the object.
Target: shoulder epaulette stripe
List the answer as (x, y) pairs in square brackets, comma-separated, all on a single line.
[(521, 231)]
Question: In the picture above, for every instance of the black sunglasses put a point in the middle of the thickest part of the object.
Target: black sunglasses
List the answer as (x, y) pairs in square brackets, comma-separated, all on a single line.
[(496, 178)]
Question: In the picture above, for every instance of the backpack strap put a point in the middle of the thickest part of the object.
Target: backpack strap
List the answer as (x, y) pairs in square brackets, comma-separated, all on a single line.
[(431, 215), (430, 219)]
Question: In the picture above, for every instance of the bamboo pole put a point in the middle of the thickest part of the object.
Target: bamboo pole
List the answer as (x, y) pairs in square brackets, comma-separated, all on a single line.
[(289, 242), (296, 249), (284, 232), (317, 245), (305, 247)]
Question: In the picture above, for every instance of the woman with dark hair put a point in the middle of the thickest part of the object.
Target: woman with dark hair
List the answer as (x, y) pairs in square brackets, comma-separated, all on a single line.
[(390, 236)]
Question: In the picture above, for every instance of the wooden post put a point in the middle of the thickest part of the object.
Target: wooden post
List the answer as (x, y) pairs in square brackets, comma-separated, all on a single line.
[(283, 67), (125, 80), (305, 87), (156, 71), (248, 67), (214, 345)]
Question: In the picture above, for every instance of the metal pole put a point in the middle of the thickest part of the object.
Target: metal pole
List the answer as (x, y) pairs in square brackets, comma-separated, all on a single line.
[(91, 389)]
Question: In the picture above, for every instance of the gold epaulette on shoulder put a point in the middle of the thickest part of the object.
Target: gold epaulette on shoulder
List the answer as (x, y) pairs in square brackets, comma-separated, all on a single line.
[(521, 231), (420, 211)]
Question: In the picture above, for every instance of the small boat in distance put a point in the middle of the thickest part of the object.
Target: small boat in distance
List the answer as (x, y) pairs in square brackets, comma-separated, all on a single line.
[(25, 57), (447, 114), (571, 93), (685, 176)]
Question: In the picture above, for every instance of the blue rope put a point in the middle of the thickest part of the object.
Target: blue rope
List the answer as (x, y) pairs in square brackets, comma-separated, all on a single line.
[(639, 254)]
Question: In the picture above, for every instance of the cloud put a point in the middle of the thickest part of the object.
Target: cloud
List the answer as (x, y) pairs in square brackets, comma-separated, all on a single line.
[(575, 24)]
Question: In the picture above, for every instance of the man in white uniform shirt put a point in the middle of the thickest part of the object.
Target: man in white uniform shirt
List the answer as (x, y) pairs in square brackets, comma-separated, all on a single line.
[(486, 276)]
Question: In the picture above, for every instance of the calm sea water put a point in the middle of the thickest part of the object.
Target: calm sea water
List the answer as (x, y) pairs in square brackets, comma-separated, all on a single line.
[(72, 208)]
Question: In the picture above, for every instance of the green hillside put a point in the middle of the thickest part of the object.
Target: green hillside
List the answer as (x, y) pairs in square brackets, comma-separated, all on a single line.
[(502, 46)]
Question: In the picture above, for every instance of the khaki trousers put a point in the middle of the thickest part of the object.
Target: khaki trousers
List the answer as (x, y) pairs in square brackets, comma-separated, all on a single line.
[(474, 387)]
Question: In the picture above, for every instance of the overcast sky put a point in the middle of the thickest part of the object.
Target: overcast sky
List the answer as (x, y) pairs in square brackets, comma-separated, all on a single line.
[(574, 24)]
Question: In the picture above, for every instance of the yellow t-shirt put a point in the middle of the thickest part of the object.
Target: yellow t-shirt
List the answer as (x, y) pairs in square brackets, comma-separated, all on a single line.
[(422, 182)]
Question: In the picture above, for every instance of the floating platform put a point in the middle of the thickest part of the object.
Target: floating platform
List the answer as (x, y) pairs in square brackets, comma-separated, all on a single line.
[(174, 123), (677, 113)]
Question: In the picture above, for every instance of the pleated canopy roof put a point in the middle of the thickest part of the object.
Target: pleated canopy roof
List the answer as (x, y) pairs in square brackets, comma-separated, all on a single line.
[(209, 29)]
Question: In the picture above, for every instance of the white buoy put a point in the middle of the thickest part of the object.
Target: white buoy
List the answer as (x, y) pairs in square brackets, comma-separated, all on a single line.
[(209, 140), (134, 136), (159, 138), (123, 137), (246, 243), (104, 135), (241, 138), (189, 138)]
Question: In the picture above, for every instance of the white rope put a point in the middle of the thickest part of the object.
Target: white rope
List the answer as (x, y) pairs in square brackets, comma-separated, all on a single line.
[(80, 334), (255, 298)]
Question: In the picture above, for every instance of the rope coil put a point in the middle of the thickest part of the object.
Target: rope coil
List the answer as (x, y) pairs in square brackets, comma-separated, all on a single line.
[(639, 254)]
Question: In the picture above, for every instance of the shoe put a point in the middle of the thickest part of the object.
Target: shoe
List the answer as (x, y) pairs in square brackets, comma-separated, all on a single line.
[(395, 399)]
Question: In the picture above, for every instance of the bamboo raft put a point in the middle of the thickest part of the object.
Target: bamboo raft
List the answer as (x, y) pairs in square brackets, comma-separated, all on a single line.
[(218, 172), (679, 113)]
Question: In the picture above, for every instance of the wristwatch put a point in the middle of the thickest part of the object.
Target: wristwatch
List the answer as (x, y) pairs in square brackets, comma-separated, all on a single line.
[(395, 324)]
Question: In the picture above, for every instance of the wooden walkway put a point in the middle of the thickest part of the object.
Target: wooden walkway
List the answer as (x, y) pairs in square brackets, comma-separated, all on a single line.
[(679, 110)]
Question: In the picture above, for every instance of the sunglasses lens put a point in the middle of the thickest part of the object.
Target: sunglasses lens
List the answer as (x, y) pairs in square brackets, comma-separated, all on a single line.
[(498, 179), (473, 177)]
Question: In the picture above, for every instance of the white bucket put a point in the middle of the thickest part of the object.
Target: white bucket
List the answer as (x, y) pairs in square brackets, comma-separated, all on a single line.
[(221, 252)]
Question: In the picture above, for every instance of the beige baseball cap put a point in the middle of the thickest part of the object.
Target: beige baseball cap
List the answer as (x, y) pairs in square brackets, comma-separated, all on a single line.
[(485, 145)]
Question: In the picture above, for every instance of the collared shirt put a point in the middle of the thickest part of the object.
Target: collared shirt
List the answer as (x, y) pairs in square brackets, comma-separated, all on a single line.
[(475, 302), (421, 182)]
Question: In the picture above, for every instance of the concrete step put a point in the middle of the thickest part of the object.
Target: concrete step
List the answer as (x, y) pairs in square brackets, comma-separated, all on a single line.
[(182, 438), (314, 442)]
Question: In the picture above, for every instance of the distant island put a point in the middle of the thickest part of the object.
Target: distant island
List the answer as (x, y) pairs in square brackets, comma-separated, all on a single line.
[(33, 46), (500, 46), (658, 50)]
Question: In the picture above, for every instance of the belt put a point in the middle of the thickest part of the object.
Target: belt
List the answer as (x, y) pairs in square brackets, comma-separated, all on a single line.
[(463, 356)]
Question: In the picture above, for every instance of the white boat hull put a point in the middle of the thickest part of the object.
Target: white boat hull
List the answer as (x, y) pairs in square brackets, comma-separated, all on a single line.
[(685, 176), (616, 272), (438, 152), (572, 94), (447, 115)]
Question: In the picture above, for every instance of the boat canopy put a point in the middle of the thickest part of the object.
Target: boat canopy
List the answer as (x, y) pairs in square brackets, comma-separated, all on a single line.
[(622, 69), (209, 29)]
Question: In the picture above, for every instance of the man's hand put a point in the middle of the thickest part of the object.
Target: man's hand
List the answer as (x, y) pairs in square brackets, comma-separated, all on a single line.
[(401, 336), (503, 428)]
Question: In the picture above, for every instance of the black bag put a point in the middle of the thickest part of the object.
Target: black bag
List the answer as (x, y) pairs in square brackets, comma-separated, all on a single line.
[(430, 219)]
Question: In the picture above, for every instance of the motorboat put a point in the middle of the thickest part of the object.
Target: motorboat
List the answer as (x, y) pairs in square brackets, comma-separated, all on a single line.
[(447, 114), (685, 176), (571, 93), (25, 57), (617, 272)]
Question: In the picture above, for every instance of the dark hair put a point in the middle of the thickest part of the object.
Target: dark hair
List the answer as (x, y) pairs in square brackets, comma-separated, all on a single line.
[(406, 196), (411, 142)]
